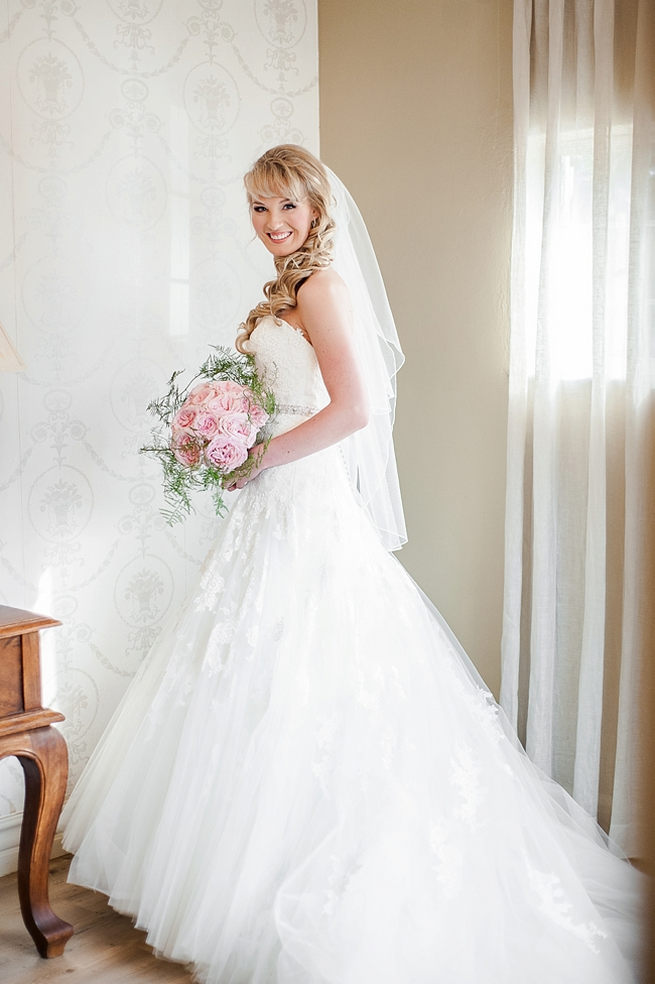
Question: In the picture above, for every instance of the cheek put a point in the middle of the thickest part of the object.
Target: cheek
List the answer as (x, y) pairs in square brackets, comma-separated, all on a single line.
[(305, 224)]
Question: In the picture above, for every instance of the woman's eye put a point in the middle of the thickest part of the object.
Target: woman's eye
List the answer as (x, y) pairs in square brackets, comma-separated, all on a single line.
[(289, 205), (258, 208)]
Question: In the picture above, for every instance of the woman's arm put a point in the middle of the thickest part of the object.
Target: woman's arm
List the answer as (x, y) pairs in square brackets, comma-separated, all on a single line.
[(323, 311)]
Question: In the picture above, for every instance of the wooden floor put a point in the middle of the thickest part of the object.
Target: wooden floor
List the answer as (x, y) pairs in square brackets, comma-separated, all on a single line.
[(106, 949)]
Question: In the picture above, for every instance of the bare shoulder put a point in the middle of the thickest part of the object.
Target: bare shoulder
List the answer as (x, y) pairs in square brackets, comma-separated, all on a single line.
[(323, 293)]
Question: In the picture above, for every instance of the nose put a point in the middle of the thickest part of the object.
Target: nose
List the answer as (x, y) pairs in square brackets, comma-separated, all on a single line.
[(275, 220)]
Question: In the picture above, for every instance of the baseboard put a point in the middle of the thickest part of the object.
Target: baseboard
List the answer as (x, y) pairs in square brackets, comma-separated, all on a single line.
[(9, 840)]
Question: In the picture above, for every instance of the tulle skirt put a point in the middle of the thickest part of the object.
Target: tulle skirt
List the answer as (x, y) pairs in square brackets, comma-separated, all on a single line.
[(308, 783)]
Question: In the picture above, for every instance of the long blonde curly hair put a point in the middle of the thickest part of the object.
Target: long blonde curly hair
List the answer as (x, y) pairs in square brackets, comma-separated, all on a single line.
[(290, 171)]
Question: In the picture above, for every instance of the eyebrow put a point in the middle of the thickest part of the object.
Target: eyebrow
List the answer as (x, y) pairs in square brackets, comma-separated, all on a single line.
[(259, 201)]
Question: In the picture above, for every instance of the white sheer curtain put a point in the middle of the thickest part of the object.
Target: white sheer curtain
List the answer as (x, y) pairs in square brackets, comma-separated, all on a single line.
[(579, 530)]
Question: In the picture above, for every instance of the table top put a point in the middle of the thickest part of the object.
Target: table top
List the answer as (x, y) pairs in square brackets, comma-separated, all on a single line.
[(18, 621)]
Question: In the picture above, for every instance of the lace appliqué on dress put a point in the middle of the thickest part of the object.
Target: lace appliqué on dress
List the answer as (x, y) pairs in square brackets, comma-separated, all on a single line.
[(554, 904)]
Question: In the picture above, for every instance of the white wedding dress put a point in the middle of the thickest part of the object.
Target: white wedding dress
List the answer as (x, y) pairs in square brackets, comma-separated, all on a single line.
[(307, 782)]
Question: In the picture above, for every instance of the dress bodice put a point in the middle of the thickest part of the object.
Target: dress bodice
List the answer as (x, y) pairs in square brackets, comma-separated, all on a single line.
[(288, 366)]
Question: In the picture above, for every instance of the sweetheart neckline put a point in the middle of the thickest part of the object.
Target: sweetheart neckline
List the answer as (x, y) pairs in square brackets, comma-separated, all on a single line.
[(296, 331)]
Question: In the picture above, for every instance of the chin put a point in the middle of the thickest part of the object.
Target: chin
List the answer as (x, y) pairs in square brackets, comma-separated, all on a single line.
[(281, 250)]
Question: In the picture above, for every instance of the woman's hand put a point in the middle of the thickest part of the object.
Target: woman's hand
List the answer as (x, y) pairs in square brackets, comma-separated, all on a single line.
[(248, 471)]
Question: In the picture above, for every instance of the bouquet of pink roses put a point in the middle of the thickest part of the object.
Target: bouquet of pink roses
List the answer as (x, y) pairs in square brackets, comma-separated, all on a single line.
[(209, 429)]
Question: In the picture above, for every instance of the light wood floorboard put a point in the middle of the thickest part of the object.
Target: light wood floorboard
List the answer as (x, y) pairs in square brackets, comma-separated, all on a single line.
[(106, 948)]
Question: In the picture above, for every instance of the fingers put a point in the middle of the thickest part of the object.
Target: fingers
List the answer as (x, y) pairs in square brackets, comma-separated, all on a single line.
[(233, 484)]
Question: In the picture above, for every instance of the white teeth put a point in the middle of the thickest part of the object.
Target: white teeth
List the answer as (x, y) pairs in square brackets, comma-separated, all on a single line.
[(278, 237)]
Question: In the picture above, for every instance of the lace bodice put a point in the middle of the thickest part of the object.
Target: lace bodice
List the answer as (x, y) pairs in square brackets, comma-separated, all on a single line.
[(287, 364)]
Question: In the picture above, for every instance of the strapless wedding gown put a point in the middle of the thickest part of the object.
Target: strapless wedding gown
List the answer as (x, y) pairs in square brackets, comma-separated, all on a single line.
[(307, 782)]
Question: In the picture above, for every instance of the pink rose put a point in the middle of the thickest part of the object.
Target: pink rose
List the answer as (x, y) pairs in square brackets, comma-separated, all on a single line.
[(257, 414), (185, 417), (238, 426), (186, 451), (205, 424), (228, 396), (201, 393), (225, 453)]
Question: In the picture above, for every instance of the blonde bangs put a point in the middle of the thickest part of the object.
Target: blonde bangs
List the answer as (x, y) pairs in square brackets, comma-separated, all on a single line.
[(273, 182)]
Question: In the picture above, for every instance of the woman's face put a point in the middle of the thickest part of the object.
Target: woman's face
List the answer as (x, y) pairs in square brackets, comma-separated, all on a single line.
[(282, 224)]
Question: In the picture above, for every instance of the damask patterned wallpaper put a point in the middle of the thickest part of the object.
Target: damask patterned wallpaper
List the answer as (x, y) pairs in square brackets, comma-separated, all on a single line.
[(125, 251)]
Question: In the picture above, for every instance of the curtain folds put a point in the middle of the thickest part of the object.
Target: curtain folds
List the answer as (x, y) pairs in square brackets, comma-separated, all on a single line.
[(579, 530)]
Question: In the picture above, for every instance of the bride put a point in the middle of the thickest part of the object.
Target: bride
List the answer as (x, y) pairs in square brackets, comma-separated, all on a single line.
[(307, 782)]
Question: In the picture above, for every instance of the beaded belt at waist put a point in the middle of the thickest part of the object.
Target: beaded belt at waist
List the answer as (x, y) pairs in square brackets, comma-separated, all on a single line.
[(296, 408)]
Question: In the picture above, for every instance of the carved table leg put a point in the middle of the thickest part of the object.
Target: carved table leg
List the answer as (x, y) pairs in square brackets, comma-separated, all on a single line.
[(44, 758)]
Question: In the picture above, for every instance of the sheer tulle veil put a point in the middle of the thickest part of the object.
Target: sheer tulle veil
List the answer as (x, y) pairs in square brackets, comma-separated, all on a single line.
[(369, 453)]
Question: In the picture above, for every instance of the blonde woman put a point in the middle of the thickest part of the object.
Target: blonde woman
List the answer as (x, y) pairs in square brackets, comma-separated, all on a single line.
[(307, 782)]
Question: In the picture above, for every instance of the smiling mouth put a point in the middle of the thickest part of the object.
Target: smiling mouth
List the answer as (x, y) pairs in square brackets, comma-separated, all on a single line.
[(278, 237)]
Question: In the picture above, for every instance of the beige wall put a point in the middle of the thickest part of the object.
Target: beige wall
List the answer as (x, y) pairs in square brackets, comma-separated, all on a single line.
[(415, 112)]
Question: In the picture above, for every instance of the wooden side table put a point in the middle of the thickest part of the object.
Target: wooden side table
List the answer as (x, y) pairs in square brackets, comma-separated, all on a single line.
[(26, 732)]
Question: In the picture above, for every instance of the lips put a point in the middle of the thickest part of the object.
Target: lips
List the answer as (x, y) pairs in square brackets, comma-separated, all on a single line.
[(278, 237)]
